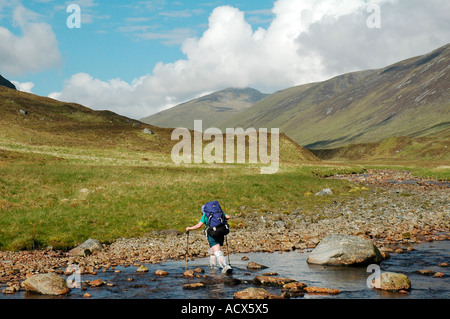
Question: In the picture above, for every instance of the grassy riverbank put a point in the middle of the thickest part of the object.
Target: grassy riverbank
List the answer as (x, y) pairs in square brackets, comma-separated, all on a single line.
[(50, 200)]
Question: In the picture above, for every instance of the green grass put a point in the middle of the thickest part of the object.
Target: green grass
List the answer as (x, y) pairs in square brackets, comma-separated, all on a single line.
[(47, 200), (62, 203)]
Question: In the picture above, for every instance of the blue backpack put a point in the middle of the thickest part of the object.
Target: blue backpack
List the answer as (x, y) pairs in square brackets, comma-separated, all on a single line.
[(217, 223)]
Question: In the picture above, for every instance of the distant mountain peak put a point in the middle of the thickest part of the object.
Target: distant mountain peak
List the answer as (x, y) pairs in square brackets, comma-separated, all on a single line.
[(213, 108)]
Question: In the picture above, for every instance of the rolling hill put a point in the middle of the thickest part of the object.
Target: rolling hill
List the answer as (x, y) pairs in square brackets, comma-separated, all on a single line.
[(213, 109), (410, 98), (31, 123)]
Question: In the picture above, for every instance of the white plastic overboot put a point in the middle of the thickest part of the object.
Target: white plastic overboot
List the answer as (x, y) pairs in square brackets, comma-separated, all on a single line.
[(212, 261), (222, 262)]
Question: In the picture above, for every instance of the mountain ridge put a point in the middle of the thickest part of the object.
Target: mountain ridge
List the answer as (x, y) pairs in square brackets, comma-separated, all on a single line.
[(211, 108), (407, 98)]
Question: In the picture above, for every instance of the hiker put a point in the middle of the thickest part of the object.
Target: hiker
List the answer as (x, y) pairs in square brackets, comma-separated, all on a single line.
[(216, 229)]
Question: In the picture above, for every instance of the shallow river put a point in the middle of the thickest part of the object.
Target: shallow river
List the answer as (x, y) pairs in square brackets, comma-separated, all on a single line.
[(350, 280)]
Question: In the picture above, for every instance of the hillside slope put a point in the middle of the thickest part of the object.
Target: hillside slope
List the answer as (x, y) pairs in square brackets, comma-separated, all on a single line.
[(410, 98), (213, 109), (435, 147), (34, 120), (29, 123)]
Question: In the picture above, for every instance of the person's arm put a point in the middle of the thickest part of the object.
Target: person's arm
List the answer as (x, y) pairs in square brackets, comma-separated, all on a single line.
[(199, 224)]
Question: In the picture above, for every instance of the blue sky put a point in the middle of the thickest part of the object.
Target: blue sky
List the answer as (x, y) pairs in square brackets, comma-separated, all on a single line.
[(121, 38), (139, 57)]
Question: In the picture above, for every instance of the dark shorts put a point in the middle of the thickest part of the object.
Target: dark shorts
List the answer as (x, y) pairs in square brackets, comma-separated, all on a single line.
[(214, 241)]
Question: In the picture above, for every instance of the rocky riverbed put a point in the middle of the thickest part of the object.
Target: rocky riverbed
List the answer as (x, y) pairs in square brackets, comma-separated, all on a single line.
[(388, 213)]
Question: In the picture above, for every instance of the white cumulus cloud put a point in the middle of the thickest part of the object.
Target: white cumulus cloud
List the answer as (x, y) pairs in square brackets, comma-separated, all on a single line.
[(23, 86), (306, 41), (36, 49)]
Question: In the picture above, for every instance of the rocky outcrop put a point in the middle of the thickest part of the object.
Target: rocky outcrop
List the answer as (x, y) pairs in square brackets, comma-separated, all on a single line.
[(345, 250), (46, 284)]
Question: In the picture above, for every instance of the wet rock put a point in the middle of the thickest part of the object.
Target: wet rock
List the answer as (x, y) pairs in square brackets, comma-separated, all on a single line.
[(87, 248), (9, 290), (294, 290), (232, 281), (438, 275), (253, 265), (443, 265), (425, 272), (199, 270), (194, 286), (339, 249), (46, 284), (189, 273), (87, 295), (161, 272), (392, 282), (320, 290), (252, 293), (294, 286), (142, 268), (271, 281), (96, 283)]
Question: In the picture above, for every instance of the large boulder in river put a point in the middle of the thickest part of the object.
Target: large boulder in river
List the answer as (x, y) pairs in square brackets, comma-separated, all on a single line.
[(87, 248), (339, 249), (392, 281), (46, 284)]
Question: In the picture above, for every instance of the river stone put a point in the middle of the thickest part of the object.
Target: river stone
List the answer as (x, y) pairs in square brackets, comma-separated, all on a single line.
[(321, 290), (46, 284), (392, 281), (89, 247), (272, 281), (253, 265), (252, 293), (142, 268), (339, 249), (194, 286)]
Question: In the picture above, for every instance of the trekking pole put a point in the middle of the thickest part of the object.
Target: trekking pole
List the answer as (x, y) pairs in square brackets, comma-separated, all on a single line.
[(187, 247), (228, 249)]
